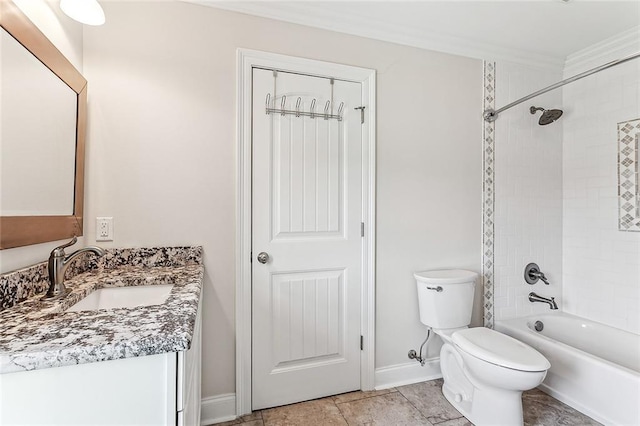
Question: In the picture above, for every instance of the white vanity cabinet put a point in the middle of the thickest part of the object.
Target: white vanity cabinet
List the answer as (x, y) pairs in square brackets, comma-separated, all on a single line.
[(161, 389), (188, 380)]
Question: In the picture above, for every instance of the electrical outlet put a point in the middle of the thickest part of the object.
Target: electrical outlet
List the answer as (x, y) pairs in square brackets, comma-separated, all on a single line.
[(104, 229)]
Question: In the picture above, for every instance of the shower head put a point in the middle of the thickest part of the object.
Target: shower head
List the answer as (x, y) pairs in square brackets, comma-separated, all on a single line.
[(548, 115)]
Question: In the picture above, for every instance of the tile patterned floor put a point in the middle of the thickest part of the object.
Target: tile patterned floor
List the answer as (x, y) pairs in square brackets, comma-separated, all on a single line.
[(418, 404)]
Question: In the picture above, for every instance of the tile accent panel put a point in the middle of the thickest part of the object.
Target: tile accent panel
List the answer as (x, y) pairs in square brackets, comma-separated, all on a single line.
[(628, 164), (488, 201)]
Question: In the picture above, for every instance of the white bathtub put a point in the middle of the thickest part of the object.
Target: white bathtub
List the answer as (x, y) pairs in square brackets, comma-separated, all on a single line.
[(594, 368)]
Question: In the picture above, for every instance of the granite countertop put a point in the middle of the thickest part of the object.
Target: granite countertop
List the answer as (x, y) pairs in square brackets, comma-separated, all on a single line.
[(38, 334)]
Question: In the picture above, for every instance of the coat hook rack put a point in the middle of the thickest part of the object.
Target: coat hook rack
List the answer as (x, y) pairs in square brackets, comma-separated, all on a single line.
[(298, 112)]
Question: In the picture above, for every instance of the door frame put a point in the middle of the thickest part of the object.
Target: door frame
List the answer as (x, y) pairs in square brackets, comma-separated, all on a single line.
[(247, 60)]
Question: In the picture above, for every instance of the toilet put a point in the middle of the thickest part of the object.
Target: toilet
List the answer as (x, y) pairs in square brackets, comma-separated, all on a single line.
[(484, 371)]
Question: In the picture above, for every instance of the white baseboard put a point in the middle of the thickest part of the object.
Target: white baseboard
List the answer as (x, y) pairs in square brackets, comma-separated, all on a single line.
[(218, 409), (406, 374)]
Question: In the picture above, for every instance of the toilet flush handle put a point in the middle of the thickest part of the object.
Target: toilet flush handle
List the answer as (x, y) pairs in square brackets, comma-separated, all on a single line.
[(438, 289)]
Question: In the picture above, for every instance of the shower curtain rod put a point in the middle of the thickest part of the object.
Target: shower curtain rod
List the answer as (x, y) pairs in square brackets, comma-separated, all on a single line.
[(491, 115)]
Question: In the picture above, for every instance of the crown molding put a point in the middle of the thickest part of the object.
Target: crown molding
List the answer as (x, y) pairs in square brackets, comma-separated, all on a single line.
[(308, 14), (623, 44)]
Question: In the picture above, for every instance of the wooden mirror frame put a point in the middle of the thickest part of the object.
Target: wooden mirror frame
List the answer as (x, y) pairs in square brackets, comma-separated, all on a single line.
[(18, 231)]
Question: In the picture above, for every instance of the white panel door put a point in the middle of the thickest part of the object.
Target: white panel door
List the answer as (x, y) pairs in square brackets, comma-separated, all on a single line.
[(306, 215)]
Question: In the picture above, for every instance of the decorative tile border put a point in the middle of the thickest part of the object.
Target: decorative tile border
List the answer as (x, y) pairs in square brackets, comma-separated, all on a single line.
[(488, 199), (628, 170)]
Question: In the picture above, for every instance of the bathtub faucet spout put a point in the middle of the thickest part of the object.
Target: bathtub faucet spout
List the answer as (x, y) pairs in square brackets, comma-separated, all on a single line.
[(551, 301)]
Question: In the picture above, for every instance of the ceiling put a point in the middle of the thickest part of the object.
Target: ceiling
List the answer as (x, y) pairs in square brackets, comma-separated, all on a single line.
[(543, 32)]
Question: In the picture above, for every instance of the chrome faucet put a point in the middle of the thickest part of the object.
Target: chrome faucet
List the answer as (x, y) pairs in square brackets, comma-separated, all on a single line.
[(58, 264), (535, 298)]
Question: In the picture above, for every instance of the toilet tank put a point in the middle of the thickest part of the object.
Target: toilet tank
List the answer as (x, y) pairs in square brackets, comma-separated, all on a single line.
[(445, 297)]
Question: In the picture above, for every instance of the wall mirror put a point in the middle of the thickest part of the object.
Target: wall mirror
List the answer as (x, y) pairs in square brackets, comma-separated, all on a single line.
[(629, 175), (42, 136)]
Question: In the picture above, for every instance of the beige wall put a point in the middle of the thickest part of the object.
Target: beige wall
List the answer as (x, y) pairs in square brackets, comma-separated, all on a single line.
[(161, 153)]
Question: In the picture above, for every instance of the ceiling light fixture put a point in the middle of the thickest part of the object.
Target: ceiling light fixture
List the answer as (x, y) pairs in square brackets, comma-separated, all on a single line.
[(85, 11)]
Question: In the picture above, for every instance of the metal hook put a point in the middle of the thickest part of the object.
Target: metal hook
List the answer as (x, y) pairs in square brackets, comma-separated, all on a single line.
[(340, 108), (313, 109), (267, 102), (298, 107), (282, 104), (326, 110)]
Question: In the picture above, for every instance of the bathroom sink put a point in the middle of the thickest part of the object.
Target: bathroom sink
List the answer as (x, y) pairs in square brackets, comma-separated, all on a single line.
[(123, 297)]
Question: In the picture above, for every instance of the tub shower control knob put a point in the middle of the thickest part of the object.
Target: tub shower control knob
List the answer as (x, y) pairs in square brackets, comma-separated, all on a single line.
[(263, 257), (532, 274)]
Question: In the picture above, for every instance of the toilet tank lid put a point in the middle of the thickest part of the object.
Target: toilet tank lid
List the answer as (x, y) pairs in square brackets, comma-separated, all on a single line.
[(500, 349), (446, 276)]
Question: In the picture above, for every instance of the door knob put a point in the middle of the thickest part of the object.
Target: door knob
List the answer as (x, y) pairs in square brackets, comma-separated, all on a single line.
[(263, 257)]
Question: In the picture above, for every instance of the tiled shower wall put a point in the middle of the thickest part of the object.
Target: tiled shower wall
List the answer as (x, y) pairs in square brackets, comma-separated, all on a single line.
[(601, 264), (528, 191)]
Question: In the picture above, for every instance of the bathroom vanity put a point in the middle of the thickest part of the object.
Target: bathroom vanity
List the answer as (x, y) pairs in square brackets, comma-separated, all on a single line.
[(132, 358)]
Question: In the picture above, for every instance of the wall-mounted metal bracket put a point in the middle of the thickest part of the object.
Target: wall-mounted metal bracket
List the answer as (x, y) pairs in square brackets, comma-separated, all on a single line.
[(361, 108)]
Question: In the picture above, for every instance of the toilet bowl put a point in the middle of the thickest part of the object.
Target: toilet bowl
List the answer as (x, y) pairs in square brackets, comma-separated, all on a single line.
[(486, 383), (484, 371)]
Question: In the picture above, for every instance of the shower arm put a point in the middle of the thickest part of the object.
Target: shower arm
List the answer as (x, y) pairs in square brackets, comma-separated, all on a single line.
[(491, 115)]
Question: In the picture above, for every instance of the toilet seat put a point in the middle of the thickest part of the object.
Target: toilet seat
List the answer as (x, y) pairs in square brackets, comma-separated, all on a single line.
[(499, 349)]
